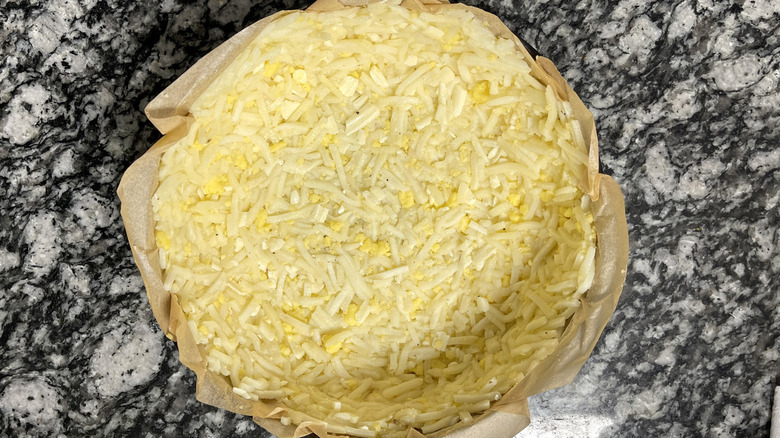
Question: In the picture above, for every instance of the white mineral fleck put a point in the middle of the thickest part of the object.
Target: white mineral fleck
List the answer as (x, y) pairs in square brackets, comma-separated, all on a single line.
[(26, 112), (32, 402), (125, 360), (47, 30), (8, 260), (641, 38), (683, 20), (42, 234), (760, 10), (660, 171), (736, 74)]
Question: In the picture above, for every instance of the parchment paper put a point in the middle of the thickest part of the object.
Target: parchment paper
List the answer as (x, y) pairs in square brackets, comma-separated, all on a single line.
[(169, 112)]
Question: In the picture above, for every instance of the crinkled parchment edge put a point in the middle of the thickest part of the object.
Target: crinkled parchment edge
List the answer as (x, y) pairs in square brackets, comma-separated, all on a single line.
[(169, 112)]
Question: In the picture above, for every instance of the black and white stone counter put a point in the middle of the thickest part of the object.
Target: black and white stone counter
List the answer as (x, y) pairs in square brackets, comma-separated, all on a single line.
[(687, 105)]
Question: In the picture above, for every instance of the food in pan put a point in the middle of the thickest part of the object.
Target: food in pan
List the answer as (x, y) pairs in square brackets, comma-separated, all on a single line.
[(376, 218)]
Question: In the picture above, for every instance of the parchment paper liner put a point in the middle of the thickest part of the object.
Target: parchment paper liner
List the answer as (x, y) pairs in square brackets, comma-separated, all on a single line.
[(169, 113)]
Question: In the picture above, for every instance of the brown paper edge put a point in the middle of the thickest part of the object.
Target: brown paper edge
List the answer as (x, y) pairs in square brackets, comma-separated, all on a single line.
[(169, 112)]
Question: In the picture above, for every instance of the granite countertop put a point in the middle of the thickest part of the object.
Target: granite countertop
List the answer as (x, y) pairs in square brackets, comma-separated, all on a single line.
[(687, 104)]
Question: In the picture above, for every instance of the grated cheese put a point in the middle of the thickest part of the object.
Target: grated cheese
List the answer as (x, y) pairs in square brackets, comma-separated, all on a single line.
[(382, 231)]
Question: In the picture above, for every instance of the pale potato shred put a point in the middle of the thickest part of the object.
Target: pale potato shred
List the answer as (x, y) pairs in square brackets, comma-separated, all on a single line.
[(375, 218)]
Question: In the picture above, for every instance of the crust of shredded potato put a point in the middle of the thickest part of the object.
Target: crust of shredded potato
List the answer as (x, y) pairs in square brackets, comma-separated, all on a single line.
[(375, 219)]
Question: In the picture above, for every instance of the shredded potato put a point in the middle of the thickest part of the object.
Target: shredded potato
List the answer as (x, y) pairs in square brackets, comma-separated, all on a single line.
[(375, 219)]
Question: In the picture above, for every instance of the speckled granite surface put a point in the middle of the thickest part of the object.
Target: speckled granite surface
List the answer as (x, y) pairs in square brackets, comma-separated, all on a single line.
[(687, 103)]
